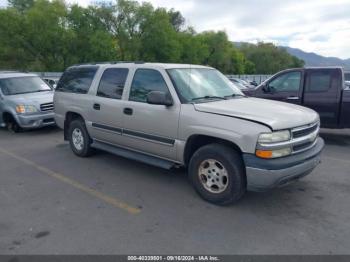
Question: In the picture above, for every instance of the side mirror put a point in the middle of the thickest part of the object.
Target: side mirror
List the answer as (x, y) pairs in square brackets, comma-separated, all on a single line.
[(159, 98), (266, 89)]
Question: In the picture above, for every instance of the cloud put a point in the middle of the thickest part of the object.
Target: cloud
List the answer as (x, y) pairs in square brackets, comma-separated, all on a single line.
[(314, 26)]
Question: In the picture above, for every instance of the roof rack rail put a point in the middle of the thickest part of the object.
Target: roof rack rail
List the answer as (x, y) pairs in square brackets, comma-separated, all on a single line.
[(110, 62), (9, 71)]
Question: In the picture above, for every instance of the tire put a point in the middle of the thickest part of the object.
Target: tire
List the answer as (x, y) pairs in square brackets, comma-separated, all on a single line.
[(79, 139), (217, 173), (13, 126)]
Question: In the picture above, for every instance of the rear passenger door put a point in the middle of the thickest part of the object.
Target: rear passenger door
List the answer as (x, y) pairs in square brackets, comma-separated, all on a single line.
[(107, 107), (150, 128), (322, 93)]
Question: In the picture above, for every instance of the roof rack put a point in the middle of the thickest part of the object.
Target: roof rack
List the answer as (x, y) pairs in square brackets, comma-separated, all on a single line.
[(9, 71), (110, 62)]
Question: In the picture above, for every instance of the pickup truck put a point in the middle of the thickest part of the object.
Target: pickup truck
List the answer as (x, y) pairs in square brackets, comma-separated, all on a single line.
[(172, 115), (321, 89)]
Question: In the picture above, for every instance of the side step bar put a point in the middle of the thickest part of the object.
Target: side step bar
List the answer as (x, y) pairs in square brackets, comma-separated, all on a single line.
[(151, 160)]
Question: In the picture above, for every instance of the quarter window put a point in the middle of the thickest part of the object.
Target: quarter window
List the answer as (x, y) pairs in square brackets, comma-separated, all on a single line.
[(288, 82), (77, 80), (112, 83), (319, 81), (145, 81)]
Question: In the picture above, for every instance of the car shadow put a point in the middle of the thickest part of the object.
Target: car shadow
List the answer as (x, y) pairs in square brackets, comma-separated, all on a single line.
[(336, 137)]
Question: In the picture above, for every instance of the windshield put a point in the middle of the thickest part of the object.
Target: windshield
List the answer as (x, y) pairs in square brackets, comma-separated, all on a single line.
[(23, 85), (202, 83)]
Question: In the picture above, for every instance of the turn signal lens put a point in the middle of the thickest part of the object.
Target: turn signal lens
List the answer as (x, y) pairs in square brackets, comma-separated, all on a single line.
[(264, 153), (273, 153), (20, 109)]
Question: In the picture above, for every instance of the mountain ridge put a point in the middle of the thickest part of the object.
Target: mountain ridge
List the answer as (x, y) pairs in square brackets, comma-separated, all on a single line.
[(314, 59)]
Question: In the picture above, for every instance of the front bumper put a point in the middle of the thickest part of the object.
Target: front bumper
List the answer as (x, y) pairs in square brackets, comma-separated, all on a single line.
[(36, 121), (265, 174)]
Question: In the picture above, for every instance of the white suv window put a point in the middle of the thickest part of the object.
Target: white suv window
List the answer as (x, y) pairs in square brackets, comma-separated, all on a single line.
[(145, 81), (112, 83)]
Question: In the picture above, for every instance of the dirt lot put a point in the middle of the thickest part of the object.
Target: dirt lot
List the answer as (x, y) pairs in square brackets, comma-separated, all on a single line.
[(52, 202)]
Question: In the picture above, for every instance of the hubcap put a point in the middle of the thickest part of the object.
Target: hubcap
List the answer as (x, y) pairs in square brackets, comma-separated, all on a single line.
[(78, 139), (213, 176)]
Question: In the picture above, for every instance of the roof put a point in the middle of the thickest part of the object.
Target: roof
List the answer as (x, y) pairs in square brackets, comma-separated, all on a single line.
[(141, 64), (11, 75)]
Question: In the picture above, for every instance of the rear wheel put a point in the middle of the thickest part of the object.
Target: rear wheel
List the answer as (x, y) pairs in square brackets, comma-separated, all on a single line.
[(217, 173), (79, 139)]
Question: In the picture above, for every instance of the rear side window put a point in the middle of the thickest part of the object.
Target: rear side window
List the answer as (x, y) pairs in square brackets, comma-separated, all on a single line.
[(76, 80), (112, 83), (320, 81), (145, 81)]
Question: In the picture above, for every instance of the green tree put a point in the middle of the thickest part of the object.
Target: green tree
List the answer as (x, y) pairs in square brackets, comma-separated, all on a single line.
[(268, 58)]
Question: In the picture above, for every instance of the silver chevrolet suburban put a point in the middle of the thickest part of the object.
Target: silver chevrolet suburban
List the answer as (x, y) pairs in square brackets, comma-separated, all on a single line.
[(172, 115), (26, 101)]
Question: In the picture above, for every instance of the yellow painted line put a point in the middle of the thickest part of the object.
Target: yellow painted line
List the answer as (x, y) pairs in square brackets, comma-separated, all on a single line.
[(110, 200)]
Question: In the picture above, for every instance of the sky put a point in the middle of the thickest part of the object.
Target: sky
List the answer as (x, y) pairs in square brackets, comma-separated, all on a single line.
[(320, 26)]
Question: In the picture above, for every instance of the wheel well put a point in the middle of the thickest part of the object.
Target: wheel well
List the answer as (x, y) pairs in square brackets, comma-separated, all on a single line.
[(70, 116), (197, 141), (7, 117)]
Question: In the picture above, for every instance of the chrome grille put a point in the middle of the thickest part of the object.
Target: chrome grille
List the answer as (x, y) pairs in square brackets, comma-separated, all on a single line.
[(46, 107), (304, 131), (302, 139)]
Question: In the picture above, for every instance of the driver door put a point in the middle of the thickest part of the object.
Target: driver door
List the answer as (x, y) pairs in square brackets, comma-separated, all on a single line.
[(148, 128), (285, 87)]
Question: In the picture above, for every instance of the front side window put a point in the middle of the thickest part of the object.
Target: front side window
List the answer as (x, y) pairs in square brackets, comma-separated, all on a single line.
[(76, 80), (202, 84), (145, 81), (112, 83), (319, 81), (23, 85), (288, 82)]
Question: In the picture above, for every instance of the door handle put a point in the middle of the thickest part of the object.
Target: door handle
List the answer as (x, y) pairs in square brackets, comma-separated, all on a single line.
[(97, 106), (128, 111), (293, 98)]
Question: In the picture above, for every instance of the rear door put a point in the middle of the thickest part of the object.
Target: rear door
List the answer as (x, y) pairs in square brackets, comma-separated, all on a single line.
[(323, 93), (285, 87), (106, 112)]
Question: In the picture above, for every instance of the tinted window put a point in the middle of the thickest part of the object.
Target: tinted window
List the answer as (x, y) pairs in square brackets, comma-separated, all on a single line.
[(347, 76), (112, 83), (23, 85), (145, 81), (77, 80), (288, 82), (319, 81)]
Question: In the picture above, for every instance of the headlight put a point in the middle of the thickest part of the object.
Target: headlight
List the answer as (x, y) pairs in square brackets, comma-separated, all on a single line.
[(266, 145), (24, 109), (274, 137)]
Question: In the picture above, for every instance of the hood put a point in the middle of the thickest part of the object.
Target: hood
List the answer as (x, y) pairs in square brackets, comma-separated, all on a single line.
[(32, 98), (276, 115)]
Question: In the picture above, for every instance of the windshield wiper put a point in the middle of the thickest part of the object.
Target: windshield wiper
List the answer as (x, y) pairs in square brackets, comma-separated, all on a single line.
[(235, 95), (209, 97)]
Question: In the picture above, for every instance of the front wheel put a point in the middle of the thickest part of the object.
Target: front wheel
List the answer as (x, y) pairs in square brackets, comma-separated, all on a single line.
[(13, 126), (79, 139), (217, 174)]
